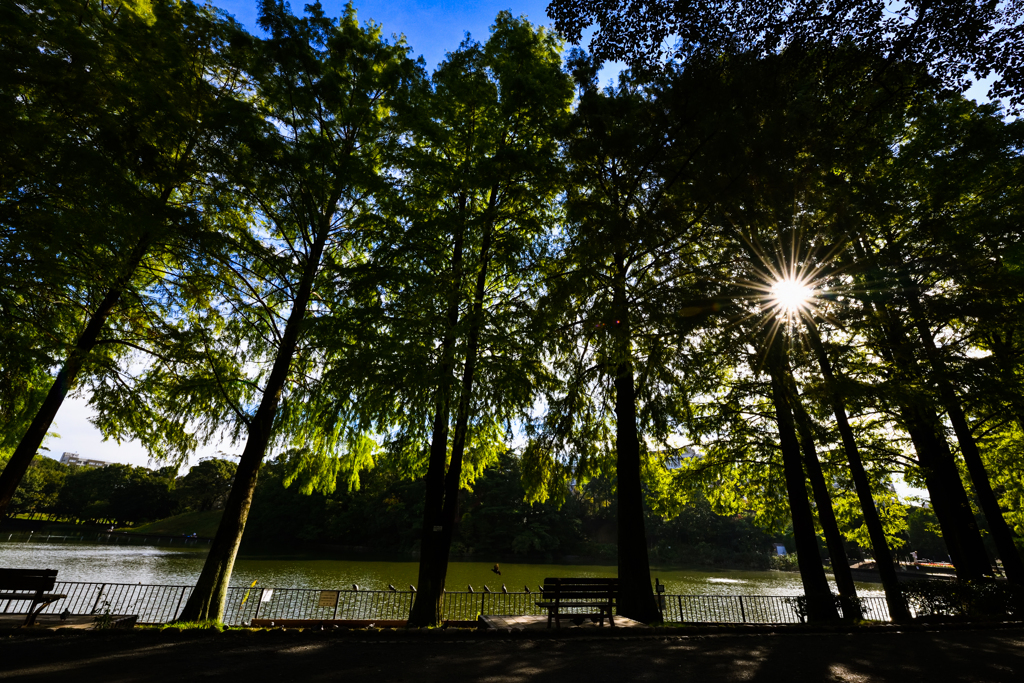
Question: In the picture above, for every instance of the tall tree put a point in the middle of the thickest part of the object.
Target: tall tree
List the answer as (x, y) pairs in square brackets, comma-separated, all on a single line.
[(876, 532), (328, 88), (451, 286), (622, 297), (948, 190), (953, 38), (131, 141)]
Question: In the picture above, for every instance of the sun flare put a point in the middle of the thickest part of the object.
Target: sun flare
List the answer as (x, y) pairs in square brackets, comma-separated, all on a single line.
[(790, 296)]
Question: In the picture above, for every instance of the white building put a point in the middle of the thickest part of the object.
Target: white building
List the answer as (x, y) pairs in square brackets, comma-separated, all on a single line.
[(78, 461)]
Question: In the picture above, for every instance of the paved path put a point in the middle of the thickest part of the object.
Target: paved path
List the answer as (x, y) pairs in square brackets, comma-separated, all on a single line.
[(960, 656)]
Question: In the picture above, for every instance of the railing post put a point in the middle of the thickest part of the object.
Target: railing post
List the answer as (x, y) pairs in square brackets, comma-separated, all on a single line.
[(259, 605), (99, 597), (680, 598), (180, 598), (743, 612)]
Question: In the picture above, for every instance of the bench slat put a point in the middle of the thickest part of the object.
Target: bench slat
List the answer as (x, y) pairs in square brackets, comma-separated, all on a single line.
[(31, 596), (28, 579)]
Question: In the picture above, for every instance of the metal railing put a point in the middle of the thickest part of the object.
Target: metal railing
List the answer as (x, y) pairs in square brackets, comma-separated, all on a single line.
[(161, 604), (752, 609)]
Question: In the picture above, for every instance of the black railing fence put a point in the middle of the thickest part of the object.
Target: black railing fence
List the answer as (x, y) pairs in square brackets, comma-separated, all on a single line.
[(161, 604), (752, 609)]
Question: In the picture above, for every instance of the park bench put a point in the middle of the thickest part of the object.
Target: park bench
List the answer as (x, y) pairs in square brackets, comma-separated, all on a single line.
[(38, 580), (575, 594)]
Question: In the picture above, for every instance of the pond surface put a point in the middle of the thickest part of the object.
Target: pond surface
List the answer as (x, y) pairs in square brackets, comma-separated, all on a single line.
[(170, 565)]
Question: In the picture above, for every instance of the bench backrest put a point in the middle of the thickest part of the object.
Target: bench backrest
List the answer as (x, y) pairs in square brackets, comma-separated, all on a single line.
[(580, 589), (28, 579)]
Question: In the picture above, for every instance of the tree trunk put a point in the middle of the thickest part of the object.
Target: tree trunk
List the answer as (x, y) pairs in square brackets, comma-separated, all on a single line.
[(942, 477), (823, 502), (636, 598), (820, 603), (427, 603), (1001, 533), (206, 603), (880, 547), (33, 438), (436, 535)]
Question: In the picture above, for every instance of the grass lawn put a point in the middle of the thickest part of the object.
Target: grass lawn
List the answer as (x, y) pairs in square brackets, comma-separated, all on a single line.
[(202, 523)]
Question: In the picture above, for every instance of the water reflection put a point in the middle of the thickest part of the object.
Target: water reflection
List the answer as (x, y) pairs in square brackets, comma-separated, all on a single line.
[(181, 566)]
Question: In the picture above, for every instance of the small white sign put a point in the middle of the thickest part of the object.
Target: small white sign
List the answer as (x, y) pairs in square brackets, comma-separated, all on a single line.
[(267, 594), (328, 599)]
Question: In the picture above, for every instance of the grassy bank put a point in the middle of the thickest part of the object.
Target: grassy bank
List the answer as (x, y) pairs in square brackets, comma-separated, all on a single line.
[(203, 524)]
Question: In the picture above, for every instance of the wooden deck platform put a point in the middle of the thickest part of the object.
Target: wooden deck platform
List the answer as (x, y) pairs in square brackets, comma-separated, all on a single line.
[(77, 621), (535, 622)]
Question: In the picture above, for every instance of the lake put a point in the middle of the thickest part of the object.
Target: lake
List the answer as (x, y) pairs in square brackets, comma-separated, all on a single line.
[(152, 564)]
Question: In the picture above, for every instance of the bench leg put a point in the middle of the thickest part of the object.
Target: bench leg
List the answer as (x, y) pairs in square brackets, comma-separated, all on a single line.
[(31, 617)]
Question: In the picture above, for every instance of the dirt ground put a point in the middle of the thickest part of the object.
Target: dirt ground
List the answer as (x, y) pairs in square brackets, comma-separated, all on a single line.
[(965, 655)]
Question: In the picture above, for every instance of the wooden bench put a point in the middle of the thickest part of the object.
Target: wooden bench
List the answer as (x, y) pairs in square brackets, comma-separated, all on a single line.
[(593, 594), (38, 580)]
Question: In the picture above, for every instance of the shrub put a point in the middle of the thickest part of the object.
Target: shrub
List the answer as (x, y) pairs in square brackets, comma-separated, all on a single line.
[(965, 599)]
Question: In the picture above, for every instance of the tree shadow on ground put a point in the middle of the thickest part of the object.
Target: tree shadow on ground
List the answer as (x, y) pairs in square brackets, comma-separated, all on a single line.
[(161, 656)]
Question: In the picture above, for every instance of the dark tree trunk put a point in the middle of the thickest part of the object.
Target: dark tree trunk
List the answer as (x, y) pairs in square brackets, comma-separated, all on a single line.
[(1000, 530), (948, 497), (440, 512), (879, 546), (942, 478), (820, 603), (206, 603), (33, 438), (427, 603), (826, 513), (636, 598)]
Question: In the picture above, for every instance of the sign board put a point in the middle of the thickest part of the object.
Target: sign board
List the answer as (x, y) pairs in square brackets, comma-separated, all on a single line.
[(328, 599), (267, 594)]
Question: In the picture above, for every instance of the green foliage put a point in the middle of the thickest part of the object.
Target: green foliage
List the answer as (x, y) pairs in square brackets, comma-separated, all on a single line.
[(118, 493), (784, 563), (40, 488), (206, 485), (965, 599), (925, 535), (497, 521)]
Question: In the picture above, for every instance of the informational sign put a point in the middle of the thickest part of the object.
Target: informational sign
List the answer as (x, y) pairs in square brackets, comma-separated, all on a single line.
[(328, 599), (267, 594)]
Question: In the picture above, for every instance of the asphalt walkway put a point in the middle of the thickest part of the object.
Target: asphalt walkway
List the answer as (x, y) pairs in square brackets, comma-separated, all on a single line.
[(964, 655)]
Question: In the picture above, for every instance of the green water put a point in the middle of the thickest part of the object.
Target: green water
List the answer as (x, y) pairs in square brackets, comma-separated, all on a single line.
[(147, 564)]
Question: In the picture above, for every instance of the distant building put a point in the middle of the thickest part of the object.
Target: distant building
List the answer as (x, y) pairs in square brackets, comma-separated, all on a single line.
[(78, 461)]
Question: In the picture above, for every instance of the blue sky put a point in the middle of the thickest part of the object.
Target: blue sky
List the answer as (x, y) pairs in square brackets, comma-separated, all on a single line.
[(431, 27)]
